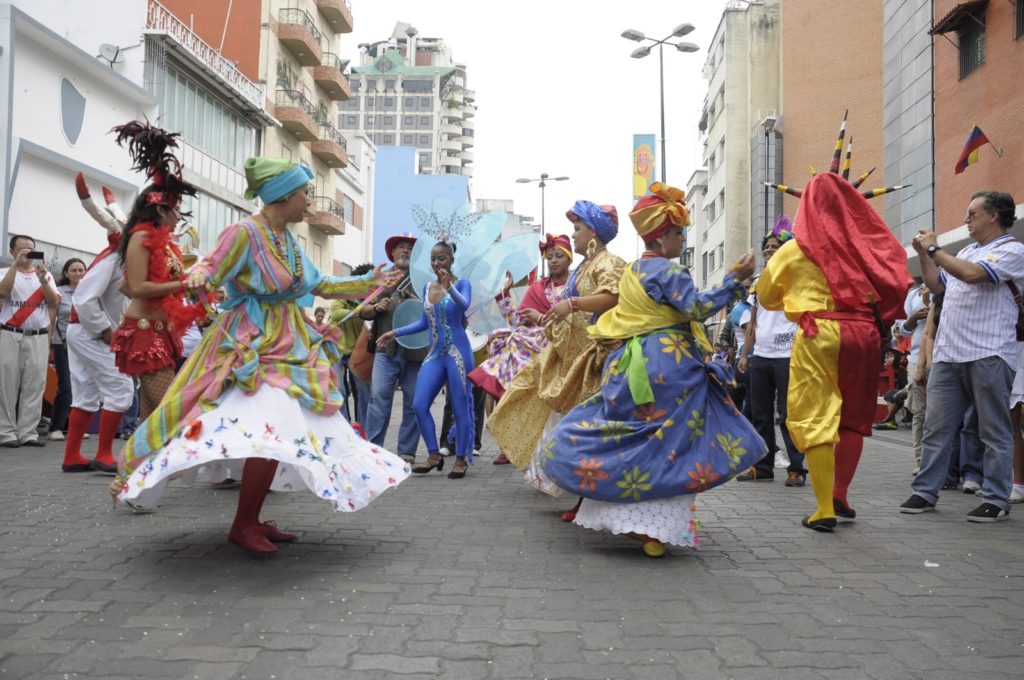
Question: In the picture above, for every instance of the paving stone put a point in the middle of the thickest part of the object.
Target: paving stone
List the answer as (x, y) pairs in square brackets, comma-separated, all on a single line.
[(481, 580)]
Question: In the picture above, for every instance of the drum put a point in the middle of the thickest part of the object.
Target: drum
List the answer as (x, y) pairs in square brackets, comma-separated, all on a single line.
[(478, 345), (410, 311)]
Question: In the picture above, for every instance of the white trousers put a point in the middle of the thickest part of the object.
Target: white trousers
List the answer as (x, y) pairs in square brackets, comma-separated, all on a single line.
[(95, 379), (22, 381)]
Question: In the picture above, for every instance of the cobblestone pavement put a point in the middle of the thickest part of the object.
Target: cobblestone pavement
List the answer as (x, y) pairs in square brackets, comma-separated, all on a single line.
[(478, 579)]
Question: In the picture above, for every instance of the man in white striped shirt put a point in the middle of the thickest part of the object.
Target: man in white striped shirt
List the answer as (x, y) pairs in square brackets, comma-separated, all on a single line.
[(975, 352)]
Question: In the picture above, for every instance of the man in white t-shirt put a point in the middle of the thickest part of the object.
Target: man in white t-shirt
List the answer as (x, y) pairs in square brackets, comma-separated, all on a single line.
[(916, 309), (770, 341), (27, 294)]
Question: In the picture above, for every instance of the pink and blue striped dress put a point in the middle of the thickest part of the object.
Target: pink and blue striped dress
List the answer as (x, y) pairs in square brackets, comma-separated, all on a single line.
[(261, 384)]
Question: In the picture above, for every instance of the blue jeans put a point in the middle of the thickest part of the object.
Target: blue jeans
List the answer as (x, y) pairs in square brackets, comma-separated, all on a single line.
[(769, 387), (390, 371), (965, 458), (951, 388)]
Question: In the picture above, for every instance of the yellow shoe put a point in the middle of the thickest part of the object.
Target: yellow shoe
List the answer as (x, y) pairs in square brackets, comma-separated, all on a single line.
[(654, 548)]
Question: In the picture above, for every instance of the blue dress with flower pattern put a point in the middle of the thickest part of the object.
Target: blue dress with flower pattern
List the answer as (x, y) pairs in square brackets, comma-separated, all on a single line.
[(662, 424)]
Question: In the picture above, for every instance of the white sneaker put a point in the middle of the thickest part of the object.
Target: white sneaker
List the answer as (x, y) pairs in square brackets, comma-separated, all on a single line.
[(56, 436), (87, 436), (971, 487), (1017, 495), (444, 451)]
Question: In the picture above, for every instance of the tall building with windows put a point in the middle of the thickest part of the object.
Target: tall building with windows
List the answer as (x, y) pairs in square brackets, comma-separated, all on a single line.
[(742, 71), (408, 91), (306, 80)]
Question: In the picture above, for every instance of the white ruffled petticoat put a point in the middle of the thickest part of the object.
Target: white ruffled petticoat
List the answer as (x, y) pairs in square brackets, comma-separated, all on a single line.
[(534, 472), (670, 520), (316, 452)]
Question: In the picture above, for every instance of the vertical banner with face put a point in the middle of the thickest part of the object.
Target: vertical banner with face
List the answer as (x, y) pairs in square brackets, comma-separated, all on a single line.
[(643, 164)]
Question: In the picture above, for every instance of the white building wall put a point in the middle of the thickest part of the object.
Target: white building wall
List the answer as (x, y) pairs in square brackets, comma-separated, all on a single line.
[(356, 182), (39, 161)]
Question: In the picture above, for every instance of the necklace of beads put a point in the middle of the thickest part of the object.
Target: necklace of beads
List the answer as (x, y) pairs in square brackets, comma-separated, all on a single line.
[(282, 252)]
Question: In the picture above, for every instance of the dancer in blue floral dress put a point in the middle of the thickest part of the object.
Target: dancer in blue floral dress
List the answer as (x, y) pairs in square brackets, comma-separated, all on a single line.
[(662, 428)]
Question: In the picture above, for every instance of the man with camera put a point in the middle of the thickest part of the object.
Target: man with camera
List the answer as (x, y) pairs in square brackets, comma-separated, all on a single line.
[(28, 293), (975, 352)]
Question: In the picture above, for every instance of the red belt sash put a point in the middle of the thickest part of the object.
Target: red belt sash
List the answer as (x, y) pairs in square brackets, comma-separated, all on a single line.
[(810, 327)]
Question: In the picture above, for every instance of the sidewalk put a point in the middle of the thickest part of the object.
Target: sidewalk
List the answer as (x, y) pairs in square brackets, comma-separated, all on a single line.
[(478, 579)]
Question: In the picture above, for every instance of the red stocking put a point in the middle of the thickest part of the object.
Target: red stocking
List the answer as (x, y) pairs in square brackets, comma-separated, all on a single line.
[(78, 423), (848, 452), (257, 474), (109, 421)]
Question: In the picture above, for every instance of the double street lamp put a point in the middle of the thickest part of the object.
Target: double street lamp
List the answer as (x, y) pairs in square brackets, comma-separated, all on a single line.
[(542, 183), (641, 52)]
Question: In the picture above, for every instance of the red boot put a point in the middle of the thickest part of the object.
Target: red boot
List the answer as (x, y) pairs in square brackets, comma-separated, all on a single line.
[(104, 461), (78, 423), (246, 531)]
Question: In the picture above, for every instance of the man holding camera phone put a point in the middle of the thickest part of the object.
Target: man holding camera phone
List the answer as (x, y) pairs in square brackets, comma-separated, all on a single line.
[(27, 294)]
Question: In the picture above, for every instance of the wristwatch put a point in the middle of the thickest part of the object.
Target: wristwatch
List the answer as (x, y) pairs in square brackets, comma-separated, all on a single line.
[(932, 249)]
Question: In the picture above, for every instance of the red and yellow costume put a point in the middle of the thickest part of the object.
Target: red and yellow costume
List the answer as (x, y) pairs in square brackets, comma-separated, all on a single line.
[(842, 276)]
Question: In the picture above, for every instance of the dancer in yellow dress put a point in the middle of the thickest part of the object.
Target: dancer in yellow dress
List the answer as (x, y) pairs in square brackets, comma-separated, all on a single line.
[(568, 370)]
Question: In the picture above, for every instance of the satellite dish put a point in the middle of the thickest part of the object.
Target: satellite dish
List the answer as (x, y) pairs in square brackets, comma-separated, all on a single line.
[(111, 53)]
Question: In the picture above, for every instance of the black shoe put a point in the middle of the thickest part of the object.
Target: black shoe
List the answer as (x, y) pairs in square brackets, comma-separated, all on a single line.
[(988, 512), (11, 444), (755, 475), (823, 524), (950, 486), (843, 510), (76, 467), (33, 442), (107, 468), (915, 505), (435, 461)]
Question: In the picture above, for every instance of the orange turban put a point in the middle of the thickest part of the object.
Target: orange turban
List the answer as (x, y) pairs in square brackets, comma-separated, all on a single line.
[(663, 209)]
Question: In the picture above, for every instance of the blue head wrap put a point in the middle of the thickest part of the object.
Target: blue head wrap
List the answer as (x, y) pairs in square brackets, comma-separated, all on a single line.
[(280, 184), (603, 219)]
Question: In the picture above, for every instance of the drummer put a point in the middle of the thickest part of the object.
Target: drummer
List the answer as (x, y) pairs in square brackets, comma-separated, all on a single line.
[(394, 365)]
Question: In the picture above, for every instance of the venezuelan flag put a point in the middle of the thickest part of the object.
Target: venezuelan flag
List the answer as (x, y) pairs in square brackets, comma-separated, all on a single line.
[(975, 141)]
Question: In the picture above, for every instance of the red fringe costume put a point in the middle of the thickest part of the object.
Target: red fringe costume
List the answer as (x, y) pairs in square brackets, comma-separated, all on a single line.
[(143, 345)]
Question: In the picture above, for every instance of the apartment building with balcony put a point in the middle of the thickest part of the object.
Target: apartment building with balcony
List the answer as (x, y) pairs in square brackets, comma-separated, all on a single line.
[(742, 70), (203, 94), (409, 91), (306, 80)]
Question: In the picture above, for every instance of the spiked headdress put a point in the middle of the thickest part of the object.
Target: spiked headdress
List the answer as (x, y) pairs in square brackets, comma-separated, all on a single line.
[(862, 261), (837, 156)]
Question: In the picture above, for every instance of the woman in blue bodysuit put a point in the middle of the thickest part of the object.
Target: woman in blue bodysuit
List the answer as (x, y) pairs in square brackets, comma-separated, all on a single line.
[(445, 302)]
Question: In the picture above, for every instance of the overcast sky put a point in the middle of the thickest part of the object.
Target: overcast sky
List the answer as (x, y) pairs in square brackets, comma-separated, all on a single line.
[(557, 92)]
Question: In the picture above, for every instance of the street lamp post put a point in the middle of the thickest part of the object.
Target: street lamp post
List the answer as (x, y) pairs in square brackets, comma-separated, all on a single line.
[(641, 52), (769, 127), (542, 183)]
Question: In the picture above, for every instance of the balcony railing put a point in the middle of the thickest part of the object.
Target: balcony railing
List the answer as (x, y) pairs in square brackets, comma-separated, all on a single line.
[(299, 16), (331, 134), (298, 32), (295, 98), (327, 216), (159, 18), (304, 127), (323, 204), (331, 77)]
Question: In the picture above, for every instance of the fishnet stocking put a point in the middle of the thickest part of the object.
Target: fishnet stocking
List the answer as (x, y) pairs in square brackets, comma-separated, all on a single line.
[(152, 387)]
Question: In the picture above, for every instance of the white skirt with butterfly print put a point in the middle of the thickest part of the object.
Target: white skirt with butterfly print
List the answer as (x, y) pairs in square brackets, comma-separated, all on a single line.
[(316, 452)]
